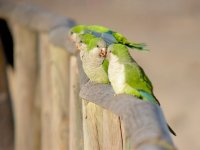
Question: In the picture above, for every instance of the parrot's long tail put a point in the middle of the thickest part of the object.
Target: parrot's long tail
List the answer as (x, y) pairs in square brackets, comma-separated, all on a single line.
[(149, 97), (138, 46), (153, 99), (171, 130)]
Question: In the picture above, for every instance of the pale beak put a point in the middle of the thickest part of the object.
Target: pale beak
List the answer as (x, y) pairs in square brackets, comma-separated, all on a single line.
[(103, 52), (78, 46)]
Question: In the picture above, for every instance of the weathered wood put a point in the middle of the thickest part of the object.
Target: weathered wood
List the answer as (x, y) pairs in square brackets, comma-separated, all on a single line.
[(33, 16), (6, 115), (55, 95), (26, 107), (101, 127), (46, 94), (144, 123), (75, 107), (59, 37)]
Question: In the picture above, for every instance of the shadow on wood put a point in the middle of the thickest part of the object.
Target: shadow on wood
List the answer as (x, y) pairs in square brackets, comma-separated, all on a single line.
[(6, 116)]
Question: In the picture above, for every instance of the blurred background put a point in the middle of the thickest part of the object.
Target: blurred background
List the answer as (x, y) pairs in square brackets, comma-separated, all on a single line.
[(171, 29)]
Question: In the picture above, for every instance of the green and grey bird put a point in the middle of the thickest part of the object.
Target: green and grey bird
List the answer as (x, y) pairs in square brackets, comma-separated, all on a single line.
[(111, 37), (82, 43), (92, 53), (127, 77)]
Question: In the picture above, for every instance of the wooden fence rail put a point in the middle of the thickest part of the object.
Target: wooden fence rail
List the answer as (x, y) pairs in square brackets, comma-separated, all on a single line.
[(56, 107)]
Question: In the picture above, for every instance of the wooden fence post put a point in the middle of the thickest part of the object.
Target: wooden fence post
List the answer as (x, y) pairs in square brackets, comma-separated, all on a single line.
[(102, 128), (75, 120), (54, 64), (26, 103), (143, 122)]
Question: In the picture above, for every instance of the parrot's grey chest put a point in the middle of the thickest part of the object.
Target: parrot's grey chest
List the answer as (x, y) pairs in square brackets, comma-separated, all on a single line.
[(93, 68)]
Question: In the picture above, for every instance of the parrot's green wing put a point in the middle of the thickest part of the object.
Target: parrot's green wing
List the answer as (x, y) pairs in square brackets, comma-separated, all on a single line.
[(99, 29), (122, 40), (101, 32), (136, 78), (112, 37)]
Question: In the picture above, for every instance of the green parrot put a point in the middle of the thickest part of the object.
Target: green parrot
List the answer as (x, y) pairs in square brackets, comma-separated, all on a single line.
[(93, 53), (107, 34), (126, 76), (82, 43)]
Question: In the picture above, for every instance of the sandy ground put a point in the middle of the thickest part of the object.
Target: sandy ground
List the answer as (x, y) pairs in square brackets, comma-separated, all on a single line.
[(172, 31)]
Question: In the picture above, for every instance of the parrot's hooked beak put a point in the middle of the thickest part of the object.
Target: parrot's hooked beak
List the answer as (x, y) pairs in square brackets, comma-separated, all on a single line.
[(78, 46), (103, 52)]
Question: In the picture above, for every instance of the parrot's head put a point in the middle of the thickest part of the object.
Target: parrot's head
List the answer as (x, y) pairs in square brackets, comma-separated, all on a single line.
[(98, 47), (117, 50), (83, 41), (75, 32)]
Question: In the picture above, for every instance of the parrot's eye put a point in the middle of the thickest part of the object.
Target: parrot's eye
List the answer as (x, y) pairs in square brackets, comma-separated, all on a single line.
[(71, 32), (81, 41), (98, 46)]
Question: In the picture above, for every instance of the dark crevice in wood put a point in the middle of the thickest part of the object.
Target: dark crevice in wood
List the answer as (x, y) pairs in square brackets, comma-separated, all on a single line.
[(120, 123), (7, 42), (6, 114)]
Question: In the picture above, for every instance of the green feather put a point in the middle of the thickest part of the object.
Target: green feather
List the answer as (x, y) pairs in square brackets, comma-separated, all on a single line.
[(93, 43), (148, 97), (135, 77), (97, 28), (86, 38), (103, 32), (105, 65), (78, 29)]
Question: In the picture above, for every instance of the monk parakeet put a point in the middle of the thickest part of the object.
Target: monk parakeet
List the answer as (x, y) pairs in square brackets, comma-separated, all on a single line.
[(107, 34), (126, 76), (82, 43), (93, 53)]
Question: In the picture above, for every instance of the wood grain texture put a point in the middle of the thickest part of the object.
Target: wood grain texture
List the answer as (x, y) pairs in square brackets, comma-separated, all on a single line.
[(55, 95), (102, 128), (75, 108), (144, 122), (25, 100), (46, 94)]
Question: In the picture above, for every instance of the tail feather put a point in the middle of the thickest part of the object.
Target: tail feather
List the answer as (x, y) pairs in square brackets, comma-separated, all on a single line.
[(152, 98), (138, 46), (149, 97), (171, 130)]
